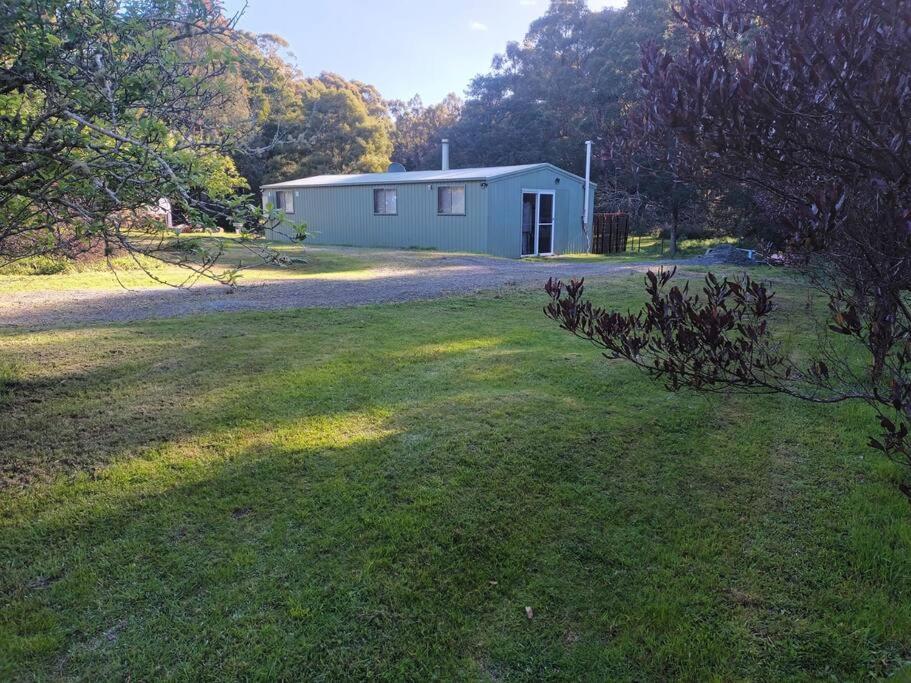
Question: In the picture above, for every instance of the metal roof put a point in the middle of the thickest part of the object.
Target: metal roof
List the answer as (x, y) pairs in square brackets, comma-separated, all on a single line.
[(489, 173)]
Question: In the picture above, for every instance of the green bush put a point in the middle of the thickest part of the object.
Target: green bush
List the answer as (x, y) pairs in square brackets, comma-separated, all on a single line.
[(37, 265)]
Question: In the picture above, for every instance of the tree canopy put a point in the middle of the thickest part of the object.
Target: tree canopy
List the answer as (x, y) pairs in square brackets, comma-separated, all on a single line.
[(100, 106), (567, 81), (575, 77), (108, 106), (419, 129), (307, 125)]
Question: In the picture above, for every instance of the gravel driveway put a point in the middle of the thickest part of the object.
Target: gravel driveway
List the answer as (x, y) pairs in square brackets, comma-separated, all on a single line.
[(394, 276)]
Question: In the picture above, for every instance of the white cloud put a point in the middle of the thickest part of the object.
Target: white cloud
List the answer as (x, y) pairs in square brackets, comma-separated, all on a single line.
[(477, 26), (528, 3)]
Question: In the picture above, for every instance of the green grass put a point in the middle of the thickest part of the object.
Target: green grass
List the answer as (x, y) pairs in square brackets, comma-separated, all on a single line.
[(650, 248), (382, 491), (44, 274)]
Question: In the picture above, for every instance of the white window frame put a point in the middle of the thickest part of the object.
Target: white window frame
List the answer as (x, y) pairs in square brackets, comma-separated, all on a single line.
[(384, 190), (287, 207), (441, 188), (553, 219)]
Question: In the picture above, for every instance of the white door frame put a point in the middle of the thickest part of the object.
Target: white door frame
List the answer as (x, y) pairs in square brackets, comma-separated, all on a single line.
[(553, 220)]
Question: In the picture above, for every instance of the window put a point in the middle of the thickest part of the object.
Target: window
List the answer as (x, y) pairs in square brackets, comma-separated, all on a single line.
[(451, 200), (384, 202), (284, 200)]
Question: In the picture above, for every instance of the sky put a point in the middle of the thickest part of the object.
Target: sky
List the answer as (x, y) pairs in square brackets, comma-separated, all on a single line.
[(403, 47)]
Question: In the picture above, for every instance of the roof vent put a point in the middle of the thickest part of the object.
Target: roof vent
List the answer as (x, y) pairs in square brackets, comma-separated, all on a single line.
[(395, 167)]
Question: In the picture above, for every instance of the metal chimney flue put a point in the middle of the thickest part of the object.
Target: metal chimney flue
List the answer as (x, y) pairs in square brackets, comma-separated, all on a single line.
[(586, 219), (445, 154)]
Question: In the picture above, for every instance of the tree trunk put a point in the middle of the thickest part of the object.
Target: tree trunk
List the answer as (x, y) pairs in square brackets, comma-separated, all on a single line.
[(675, 214)]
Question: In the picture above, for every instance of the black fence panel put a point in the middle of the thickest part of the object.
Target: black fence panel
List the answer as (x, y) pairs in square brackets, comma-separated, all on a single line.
[(610, 232)]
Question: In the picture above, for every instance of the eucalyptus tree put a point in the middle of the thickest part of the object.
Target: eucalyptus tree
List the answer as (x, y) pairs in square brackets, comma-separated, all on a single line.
[(311, 125), (419, 129), (570, 79), (346, 128)]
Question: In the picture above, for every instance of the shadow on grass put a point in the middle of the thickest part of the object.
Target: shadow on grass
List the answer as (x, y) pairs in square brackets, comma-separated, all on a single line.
[(79, 399), (132, 388), (382, 492), (413, 544)]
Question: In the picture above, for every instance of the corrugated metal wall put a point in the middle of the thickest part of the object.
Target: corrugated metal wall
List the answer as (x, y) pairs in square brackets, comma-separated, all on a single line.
[(344, 215), (492, 222), (505, 199)]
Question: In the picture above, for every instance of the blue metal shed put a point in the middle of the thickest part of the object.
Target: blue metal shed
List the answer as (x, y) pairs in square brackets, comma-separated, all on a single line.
[(503, 210)]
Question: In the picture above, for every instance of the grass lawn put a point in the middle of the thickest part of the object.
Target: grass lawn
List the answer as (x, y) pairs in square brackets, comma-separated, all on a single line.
[(649, 248), (97, 274), (382, 491)]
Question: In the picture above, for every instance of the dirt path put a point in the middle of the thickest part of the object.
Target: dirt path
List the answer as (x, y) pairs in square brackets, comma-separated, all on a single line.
[(396, 276)]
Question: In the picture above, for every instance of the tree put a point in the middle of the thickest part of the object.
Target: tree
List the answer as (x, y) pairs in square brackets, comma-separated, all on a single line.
[(346, 129), (567, 81), (419, 129), (649, 166), (530, 102), (311, 126), (807, 104), (103, 112), (574, 77), (268, 87)]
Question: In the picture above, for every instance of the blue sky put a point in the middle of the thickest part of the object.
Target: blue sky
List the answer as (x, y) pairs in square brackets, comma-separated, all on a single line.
[(403, 47)]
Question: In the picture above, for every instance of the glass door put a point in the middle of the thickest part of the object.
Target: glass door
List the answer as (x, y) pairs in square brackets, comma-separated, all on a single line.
[(537, 222), (529, 220), (545, 223)]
